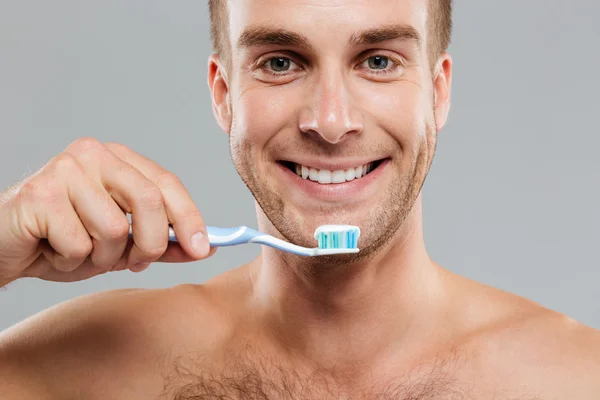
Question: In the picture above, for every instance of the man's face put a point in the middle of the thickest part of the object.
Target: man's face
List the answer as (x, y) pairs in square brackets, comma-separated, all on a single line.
[(341, 91)]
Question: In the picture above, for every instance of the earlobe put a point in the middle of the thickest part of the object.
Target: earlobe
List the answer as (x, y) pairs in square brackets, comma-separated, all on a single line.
[(442, 85), (219, 88)]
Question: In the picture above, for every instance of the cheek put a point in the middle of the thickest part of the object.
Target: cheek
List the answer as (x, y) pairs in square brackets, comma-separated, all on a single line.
[(402, 112), (261, 112)]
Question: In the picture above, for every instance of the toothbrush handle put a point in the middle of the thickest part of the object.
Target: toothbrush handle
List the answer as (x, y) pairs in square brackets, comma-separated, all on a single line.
[(224, 236), (230, 236)]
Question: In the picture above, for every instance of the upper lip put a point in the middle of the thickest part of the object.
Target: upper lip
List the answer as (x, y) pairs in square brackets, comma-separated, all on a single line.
[(334, 165)]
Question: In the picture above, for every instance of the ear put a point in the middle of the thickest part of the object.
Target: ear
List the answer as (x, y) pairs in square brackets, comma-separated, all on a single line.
[(441, 86), (219, 88)]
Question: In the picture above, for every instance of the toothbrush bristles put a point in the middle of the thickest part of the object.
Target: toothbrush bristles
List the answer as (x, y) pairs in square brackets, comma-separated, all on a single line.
[(337, 236)]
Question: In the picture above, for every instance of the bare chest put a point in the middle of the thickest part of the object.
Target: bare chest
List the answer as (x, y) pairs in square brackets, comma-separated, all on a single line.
[(263, 379)]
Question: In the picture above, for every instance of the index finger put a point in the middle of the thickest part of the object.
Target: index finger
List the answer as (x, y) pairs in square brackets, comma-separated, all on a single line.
[(182, 213)]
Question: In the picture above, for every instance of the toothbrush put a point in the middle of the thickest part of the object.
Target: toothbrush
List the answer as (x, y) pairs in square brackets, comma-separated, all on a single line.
[(331, 239)]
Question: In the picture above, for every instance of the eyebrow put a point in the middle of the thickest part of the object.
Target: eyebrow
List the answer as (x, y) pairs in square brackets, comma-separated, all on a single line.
[(255, 36), (385, 33)]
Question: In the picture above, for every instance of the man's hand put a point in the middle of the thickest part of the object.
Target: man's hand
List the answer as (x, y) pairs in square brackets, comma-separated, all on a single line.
[(68, 221)]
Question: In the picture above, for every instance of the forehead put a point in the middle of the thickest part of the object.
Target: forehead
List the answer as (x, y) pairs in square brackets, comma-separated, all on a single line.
[(326, 20)]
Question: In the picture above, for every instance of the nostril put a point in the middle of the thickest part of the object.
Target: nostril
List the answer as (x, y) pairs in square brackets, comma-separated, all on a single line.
[(328, 136)]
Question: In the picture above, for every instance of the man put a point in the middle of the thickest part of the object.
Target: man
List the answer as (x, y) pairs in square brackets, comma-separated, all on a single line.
[(302, 86)]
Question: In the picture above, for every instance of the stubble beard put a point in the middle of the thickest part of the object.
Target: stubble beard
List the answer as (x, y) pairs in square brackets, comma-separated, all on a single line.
[(377, 230)]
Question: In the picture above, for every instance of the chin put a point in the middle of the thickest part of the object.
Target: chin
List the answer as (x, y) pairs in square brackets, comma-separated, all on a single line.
[(296, 206), (298, 225)]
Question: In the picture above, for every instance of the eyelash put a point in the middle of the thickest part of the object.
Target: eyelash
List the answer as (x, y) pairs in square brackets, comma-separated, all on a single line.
[(397, 64)]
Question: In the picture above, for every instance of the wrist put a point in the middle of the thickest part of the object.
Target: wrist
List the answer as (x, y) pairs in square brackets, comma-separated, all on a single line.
[(5, 281)]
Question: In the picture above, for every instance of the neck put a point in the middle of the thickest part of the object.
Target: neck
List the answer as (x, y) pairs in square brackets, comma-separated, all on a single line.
[(353, 312)]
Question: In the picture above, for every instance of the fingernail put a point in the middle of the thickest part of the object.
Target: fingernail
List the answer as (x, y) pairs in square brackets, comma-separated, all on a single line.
[(200, 244)]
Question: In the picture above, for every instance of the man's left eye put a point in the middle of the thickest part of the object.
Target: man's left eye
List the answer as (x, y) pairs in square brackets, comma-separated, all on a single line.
[(378, 62)]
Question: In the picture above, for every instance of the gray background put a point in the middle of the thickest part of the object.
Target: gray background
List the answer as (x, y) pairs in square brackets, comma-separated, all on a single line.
[(512, 200)]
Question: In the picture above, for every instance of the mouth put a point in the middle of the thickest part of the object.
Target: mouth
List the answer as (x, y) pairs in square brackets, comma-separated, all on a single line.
[(333, 176)]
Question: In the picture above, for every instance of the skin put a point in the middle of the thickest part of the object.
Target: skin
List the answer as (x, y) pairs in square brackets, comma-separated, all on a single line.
[(389, 323)]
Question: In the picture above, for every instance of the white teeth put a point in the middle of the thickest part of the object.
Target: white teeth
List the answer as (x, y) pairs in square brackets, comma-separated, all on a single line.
[(350, 174), (324, 176), (338, 176), (359, 171), (304, 172)]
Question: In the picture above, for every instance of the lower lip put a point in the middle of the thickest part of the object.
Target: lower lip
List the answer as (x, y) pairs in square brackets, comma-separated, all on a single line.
[(336, 192)]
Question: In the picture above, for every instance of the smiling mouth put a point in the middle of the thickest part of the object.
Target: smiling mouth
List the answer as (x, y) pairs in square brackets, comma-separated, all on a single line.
[(326, 177)]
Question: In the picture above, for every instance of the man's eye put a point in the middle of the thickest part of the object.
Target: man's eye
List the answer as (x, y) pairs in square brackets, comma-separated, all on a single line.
[(279, 64), (378, 62), (277, 67)]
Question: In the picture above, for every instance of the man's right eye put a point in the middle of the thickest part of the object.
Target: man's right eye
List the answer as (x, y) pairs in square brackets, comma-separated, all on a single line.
[(279, 64)]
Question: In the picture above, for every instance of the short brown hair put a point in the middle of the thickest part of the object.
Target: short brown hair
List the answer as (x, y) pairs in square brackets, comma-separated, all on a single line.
[(439, 26)]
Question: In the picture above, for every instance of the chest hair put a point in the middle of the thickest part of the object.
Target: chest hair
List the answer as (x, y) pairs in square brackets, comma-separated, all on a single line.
[(250, 377)]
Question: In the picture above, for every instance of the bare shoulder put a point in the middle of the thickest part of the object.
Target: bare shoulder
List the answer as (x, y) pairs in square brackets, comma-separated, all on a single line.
[(549, 353), (519, 344), (119, 339), (573, 346)]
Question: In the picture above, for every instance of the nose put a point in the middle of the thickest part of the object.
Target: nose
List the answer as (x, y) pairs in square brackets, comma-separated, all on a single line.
[(330, 111)]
